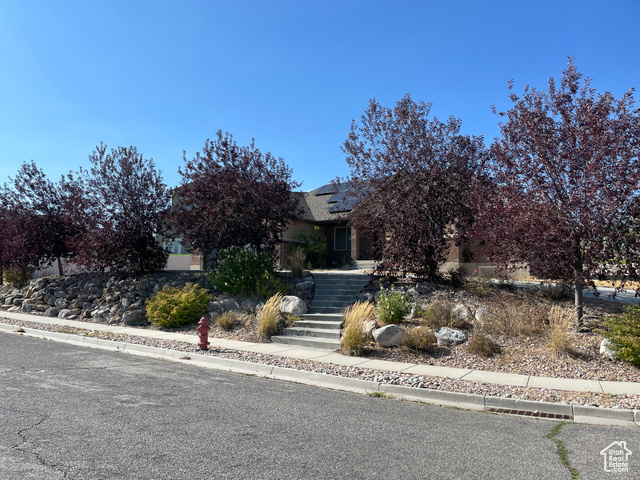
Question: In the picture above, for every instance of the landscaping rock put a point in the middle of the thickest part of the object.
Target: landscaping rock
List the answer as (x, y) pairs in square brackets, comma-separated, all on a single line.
[(369, 326), (249, 305), (64, 313), (389, 336), (425, 287), (135, 318), (606, 351), (51, 312), (448, 337), (304, 287), (462, 312), (223, 305), (27, 307), (293, 305)]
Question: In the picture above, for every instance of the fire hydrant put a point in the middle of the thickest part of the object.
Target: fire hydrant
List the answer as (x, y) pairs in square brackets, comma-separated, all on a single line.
[(203, 330)]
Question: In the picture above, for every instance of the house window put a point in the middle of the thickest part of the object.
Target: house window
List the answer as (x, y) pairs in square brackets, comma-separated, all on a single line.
[(342, 239)]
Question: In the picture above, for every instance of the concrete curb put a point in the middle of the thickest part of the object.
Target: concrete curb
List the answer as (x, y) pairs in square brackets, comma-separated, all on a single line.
[(575, 413)]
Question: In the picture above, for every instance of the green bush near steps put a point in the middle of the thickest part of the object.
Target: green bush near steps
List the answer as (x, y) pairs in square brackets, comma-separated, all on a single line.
[(393, 305), (174, 307), (624, 334)]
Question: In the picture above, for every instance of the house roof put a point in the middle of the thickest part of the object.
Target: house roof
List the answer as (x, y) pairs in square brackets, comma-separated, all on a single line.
[(327, 204)]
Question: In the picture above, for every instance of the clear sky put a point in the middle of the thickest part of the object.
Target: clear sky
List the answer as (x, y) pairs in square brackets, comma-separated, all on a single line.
[(166, 75)]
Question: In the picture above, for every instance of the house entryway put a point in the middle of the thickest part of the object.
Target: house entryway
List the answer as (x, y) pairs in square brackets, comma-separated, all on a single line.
[(320, 328)]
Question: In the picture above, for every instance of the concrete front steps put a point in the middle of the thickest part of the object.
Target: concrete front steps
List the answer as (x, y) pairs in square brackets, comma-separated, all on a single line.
[(320, 328)]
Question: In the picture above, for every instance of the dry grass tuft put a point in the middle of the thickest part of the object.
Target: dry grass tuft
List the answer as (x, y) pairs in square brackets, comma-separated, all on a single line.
[(270, 316), (482, 345), (524, 315), (440, 314), (359, 311), (353, 336), (560, 323), (227, 320), (420, 339)]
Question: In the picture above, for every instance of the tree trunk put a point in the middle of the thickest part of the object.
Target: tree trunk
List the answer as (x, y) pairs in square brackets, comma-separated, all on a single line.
[(578, 303), (60, 269)]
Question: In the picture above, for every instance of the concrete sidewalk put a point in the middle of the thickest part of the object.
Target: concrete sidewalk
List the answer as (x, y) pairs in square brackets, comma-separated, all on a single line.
[(574, 385)]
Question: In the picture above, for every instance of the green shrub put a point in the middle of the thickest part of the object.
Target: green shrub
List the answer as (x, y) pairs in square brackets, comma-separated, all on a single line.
[(393, 305), (173, 307), (242, 271), (269, 316), (227, 320), (315, 247), (17, 275), (624, 334), (482, 345), (420, 339)]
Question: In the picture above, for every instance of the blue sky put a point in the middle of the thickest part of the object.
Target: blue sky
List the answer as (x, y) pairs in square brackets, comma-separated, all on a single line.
[(165, 76)]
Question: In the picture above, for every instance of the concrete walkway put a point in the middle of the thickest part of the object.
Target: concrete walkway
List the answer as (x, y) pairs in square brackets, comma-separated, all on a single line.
[(305, 353)]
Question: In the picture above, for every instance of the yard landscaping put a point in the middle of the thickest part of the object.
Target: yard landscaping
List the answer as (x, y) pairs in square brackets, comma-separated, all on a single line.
[(521, 330)]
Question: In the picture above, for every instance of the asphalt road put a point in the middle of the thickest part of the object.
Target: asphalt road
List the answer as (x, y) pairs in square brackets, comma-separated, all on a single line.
[(75, 413)]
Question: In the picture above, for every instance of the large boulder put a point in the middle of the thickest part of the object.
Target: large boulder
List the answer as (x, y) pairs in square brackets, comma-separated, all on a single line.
[(135, 318), (304, 287), (51, 312), (448, 337), (606, 351), (64, 313), (293, 305), (389, 336)]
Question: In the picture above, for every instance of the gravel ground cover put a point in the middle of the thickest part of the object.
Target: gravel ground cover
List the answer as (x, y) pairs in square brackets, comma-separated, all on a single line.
[(538, 361)]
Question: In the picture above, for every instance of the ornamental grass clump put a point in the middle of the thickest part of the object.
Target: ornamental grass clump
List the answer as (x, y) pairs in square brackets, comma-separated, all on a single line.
[(624, 334), (269, 316), (441, 313), (173, 307), (560, 324), (481, 344), (227, 320), (393, 305), (354, 336), (420, 339), (522, 315)]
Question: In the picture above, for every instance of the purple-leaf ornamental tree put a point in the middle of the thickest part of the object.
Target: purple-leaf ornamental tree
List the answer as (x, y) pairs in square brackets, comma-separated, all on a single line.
[(121, 212), (565, 190), (412, 176), (232, 195), (36, 210)]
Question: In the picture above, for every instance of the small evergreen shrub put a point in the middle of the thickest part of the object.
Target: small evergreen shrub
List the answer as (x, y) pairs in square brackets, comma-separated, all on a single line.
[(173, 307), (482, 345), (269, 316), (624, 333), (420, 339), (393, 305), (242, 271), (227, 320)]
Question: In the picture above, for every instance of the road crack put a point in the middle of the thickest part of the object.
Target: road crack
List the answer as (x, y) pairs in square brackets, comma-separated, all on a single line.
[(22, 445), (562, 449)]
